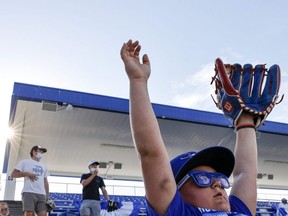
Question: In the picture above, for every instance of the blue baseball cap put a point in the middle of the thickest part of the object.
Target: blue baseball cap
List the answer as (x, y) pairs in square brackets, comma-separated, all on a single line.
[(219, 158)]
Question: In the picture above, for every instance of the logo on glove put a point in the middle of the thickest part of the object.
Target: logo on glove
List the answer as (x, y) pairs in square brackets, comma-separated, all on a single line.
[(228, 106)]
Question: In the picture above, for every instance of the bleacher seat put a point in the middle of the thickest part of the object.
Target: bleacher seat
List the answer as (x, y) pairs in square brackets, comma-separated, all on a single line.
[(266, 208), (67, 204)]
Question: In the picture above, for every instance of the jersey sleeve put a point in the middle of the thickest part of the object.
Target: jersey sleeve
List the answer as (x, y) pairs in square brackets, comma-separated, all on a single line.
[(238, 206)]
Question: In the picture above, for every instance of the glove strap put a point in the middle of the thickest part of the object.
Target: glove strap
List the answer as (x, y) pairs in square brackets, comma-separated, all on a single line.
[(241, 126)]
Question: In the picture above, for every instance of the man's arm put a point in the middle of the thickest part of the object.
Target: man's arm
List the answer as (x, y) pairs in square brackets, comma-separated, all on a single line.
[(159, 182), (46, 185), (87, 181), (105, 193), (18, 174), (245, 170)]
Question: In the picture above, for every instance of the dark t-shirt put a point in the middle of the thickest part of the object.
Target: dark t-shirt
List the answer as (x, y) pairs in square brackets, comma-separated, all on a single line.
[(91, 191)]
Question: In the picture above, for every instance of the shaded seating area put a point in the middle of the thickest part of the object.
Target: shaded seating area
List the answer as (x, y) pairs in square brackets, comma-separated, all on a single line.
[(63, 206), (68, 204), (265, 208)]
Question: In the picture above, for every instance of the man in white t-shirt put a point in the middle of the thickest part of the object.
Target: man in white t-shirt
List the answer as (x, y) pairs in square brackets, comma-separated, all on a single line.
[(35, 192)]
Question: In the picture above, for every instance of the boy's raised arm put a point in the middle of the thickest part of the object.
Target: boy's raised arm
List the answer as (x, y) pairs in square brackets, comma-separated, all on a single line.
[(159, 182)]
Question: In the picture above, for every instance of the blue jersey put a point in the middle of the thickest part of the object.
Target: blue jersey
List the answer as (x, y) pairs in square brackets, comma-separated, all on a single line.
[(180, 208)]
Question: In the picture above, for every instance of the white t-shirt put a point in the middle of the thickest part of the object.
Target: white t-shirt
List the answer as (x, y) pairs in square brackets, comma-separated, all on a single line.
[(38, 168)]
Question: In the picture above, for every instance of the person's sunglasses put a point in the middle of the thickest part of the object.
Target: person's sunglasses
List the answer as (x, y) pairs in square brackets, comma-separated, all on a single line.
[(205, 179), (4, 209)]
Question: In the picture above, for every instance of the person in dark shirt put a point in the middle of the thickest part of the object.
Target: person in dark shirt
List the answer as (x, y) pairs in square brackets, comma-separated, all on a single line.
[(91, 182)]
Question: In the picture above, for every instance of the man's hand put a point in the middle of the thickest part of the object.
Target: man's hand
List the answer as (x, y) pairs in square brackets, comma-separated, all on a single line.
[(130, 55), (95, 172), (32, 176)]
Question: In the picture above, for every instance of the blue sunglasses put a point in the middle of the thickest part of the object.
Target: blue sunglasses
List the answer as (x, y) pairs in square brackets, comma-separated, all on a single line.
[(205, 179)]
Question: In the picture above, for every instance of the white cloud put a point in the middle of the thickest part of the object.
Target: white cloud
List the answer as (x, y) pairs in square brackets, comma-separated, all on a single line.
[(195, 91)]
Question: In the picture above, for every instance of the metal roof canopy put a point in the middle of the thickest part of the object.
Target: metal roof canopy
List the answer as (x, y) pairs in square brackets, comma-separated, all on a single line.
[(96, 127)]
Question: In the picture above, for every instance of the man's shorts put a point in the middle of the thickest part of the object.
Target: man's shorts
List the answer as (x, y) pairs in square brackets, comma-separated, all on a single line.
[(90, 207), (34, 202)]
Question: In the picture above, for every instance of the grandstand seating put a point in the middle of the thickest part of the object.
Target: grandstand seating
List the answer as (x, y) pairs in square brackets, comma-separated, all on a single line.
[(265, 208), (69, 203)]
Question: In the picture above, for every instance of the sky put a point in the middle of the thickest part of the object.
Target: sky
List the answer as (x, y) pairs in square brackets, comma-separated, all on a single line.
[(74, 45)]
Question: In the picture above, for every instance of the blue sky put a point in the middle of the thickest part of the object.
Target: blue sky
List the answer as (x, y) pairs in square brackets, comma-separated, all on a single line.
[(75, 45)]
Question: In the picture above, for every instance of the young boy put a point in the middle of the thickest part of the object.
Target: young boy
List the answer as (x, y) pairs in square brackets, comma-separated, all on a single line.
[(193, 183)]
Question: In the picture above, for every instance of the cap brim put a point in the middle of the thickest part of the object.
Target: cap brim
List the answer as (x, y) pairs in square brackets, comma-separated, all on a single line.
[(219, 158), (43, 149)]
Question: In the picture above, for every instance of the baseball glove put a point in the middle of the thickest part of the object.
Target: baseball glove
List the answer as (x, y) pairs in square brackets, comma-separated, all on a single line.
[(242, 88), (112, 206), (50, 204)]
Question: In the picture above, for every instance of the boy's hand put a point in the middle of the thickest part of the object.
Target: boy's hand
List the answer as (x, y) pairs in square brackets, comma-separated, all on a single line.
[(130, 55)]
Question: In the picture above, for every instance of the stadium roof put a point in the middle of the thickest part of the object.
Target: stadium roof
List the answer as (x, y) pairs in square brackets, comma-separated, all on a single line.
[(77, 127)]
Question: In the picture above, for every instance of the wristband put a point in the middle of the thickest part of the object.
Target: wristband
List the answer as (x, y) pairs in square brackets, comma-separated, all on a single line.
[(241, 126)]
